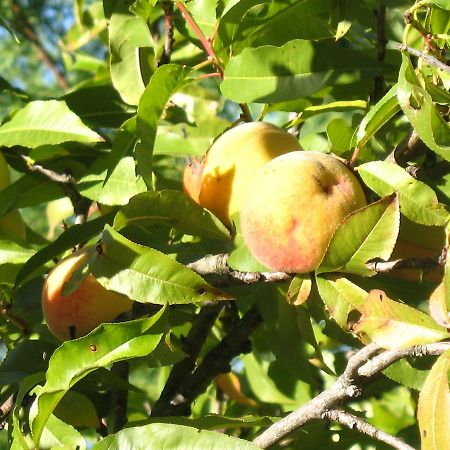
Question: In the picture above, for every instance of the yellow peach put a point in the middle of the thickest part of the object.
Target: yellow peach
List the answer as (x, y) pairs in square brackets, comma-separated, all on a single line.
[(294, 206), (232, 161)]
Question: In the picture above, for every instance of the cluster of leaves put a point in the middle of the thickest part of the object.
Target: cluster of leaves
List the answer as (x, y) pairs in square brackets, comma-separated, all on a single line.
[(174, 77)]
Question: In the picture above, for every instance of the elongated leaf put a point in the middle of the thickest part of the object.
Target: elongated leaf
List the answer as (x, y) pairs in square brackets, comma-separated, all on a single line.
[(166, 80), (378, 115), (433, 411), (107, 344), (13, 253), (173, 208), (45, 122), (68, 239), (340, 297), (418, 201), (147, 275), (299, 289), (420, 110), (128, 34), (395, 325), (172, 437), (300, 68), (368, 233)]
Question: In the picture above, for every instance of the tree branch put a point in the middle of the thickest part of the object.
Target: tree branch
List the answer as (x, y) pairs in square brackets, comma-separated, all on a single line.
[(27, 29), (407, 263), (381, 51), (5, 409), (169, 40), (361, 367), (192, 346), (217, 361), (356, 423), (80, 203)]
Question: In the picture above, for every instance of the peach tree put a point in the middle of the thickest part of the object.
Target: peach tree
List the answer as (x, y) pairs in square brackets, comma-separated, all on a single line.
[(218, 351)]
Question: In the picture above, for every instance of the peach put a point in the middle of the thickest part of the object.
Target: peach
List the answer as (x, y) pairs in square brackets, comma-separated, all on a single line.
[(232, 161), (73, 310), (191, 179), (294, 206)]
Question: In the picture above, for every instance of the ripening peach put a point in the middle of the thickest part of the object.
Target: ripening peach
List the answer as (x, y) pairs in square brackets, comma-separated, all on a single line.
[(73, 308), (231, 163), (294, 206)]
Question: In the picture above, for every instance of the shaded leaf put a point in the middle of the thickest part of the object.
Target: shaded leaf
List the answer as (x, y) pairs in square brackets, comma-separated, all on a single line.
[(108, 343), (418, 201), (77, 410), (433, 409), (173, 208), (147, 275), (395, 325), (45, 122), (274, 74), (370, 232), (172, 437)]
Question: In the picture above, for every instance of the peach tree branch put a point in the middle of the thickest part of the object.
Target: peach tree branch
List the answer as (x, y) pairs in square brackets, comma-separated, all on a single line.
[(361, 367)]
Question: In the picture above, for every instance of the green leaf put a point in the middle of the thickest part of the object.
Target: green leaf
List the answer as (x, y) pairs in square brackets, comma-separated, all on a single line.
[(252, 23), (378, 115), (402, 372), (13, 253), (395, 325), (418, 201), (173, 208), (107, 344), (45, 122), (172, 437), (166, 80), (98, 105), (262, 385), (420, 110), (128, 36), (433, 409), (147, 275), (340, 296), (122, 184), (60, 435), (299, 289), (68, 239), (368, 233), (77, 410), (297, 69)]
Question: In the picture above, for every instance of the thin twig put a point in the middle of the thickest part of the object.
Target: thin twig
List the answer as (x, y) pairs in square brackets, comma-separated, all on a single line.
[(7, 407), (5, 311), (80, 203), (407, 263), (119, 398), (27, 29), (356, 423), (381, 51), (431, 60), (169, 40)]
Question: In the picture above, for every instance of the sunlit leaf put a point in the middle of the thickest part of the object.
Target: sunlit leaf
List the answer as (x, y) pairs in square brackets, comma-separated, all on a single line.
[(418, 201), (45, 122), (368, 233), (299, 289), (108, 343), (433, 411), (172, 437), (420, 110), (147, 275), (395, 325)]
